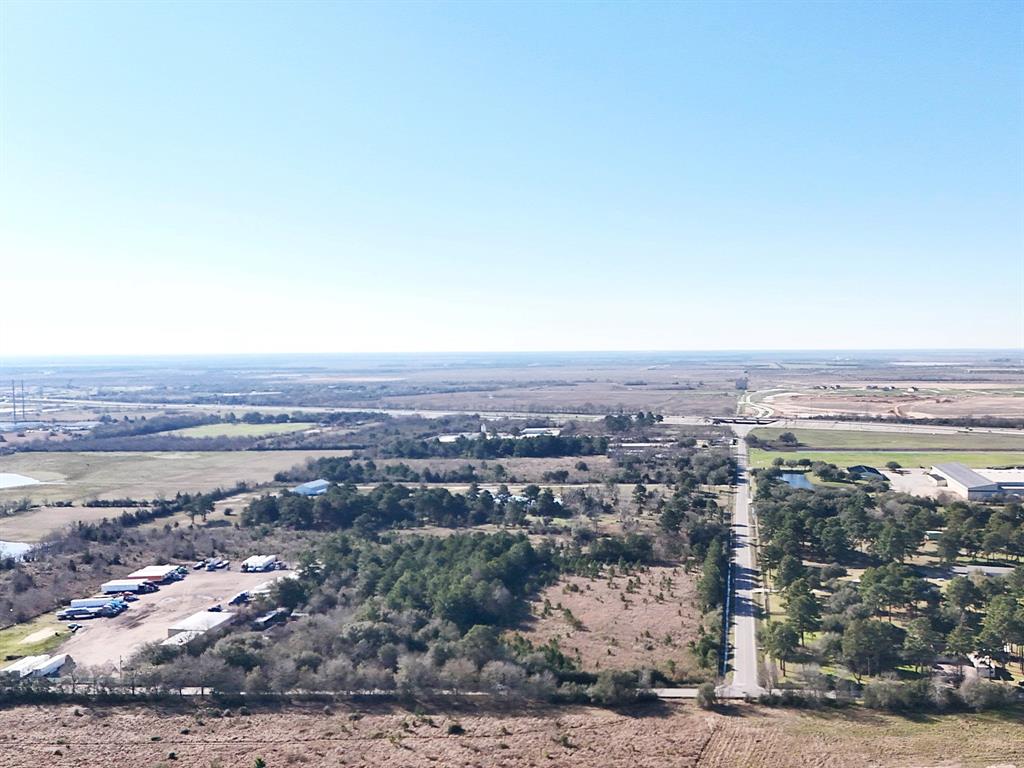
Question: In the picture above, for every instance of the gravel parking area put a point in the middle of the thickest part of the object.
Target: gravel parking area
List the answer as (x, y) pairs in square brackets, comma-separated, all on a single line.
[(106, 642)]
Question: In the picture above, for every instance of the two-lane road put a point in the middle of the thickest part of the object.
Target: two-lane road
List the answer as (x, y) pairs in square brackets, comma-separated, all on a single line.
[(745, 579)]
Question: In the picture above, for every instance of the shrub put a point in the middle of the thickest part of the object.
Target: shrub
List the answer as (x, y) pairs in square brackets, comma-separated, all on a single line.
[(706, 696)]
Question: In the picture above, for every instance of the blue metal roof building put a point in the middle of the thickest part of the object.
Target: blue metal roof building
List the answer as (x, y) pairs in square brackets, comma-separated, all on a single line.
[(312, 488)]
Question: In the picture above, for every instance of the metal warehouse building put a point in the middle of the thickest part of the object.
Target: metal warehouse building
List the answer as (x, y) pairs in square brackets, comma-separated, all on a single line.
[(974, 486), (312, 488), (204, 621)]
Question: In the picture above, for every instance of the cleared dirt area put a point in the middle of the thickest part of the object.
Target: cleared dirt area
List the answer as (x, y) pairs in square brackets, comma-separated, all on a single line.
[(673, 736), (146, 475), (103, 642), (948, 401), (645, 619)]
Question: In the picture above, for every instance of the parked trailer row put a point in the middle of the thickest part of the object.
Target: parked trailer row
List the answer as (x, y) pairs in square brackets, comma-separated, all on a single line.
[(119, 586)]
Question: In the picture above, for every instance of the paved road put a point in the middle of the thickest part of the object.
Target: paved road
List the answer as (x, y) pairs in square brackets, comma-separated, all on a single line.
[(746, 578)]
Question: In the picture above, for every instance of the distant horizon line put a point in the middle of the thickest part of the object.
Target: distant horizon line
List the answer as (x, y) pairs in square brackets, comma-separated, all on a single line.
[(575, 352)]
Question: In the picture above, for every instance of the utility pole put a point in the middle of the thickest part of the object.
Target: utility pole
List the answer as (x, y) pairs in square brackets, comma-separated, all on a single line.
[(14, 403), (23, 400)]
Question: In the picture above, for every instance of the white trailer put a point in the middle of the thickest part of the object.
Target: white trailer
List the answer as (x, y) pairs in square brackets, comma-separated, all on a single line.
[(115, 587), (259, 563), (94, 602)]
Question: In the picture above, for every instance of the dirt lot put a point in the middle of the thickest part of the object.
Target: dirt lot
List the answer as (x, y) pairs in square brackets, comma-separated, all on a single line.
[(103, 642), (643, 620), (950, 401), (673, 736), (112, 475)]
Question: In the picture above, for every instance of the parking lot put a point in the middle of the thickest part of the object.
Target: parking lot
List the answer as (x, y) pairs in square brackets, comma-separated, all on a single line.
[(108, 642)]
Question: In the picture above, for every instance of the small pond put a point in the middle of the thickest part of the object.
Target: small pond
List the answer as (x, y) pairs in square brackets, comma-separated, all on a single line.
[(797, 479)]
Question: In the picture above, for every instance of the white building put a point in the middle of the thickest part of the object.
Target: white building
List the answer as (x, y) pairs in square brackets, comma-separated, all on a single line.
[(204, 621), (154, 573), (974, 486)]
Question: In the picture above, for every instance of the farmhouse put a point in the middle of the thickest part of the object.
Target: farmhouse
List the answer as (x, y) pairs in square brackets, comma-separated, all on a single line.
[(974, 486), (312, 488)]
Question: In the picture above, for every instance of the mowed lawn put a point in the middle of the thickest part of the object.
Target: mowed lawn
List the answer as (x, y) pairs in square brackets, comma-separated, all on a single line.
[(80, 476), (40, 635), (240, 429), (824, 439), (762, 458)]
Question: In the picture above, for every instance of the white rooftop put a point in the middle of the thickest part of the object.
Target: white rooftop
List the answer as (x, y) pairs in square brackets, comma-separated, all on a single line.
[(964, 475), (152, 571), (203, 621)]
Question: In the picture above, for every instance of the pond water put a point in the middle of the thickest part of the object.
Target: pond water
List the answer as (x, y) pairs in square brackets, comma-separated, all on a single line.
[(15, 549), (14, 480), (797, 480)]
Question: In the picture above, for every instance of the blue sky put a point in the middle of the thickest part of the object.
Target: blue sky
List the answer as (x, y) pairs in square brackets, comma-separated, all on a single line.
[(324, 177)]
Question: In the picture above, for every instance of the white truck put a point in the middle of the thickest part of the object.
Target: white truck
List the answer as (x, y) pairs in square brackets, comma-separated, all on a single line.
[(127, 585)]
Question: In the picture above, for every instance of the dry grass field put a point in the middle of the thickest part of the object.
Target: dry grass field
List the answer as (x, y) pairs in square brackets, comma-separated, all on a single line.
[(240, 429), (627, 622), (675, 736), (112, 475), (34, 525)]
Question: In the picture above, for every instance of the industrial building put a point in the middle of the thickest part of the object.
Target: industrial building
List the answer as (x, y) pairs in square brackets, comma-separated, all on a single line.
[(204, 621), (312, 488), (975, 486)]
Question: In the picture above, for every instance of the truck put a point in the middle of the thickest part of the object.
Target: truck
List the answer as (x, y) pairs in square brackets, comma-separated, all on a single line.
[(74, 614), (127, 585)]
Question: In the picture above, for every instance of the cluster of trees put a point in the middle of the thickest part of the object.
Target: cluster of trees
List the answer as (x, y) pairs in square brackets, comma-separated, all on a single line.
[(348, 470), (981, 529), (686, 468), (391, 505), (623, 422), (413, 616), (839, 525), (894, 617), (784, 440), (543, 446)]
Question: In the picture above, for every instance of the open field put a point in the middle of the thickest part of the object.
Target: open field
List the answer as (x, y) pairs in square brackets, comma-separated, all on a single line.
[(627, 622), (821, 439), (240, 429), (35, 524), (762, 458), (668, 736), (113, 475), (41, 635), (102, 642)]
